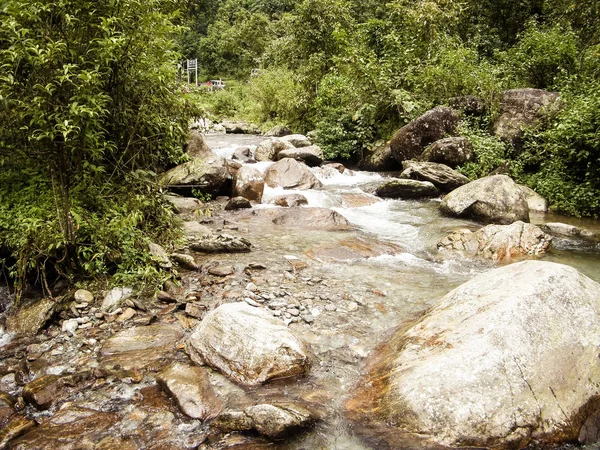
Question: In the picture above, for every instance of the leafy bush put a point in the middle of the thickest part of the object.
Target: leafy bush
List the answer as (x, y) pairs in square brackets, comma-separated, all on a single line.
[(489, 151)]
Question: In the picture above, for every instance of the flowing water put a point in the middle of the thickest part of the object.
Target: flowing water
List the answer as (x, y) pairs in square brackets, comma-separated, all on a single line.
[(395, 288)]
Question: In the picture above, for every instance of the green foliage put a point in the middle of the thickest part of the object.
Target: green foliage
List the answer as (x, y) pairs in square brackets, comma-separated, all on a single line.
[(489, 151)]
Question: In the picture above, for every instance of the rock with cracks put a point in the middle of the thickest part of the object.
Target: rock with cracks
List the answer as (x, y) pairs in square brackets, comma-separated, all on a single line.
[(248, 345), (291, 174), (452, 151), (407, 189), (507, 359), (443, 177), (220, 243), (311, 156), (249, 183)]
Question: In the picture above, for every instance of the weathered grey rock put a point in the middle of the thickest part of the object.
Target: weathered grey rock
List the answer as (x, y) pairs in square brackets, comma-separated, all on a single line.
[(247, 345), (297, 140), (520, 108), (115, 296), (278, 131), (244, 154), (249, 183), (239, 127), (46, 390), (295, 217), (160, 255), (83, 296), (379, 160), (197, 147), (185, 261), (410, 140), (452, 151), (281, 420), (499, 242), (506, 359), (358, 199), (30, 318), (408, 189), (191, 389), (535, 201), (269, 149), (220, 243), (187, 205), (237, 203), (210, 174), (569, 231), (494, 199), (290, 174), (290, 200), (194, 229), (443, 177), (221, 271), (312, 155)]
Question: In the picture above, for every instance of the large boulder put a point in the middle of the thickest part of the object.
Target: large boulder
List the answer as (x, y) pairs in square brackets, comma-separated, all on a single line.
[(305, 218), (220, 243), (289, 200), (407, 189), (535, 201), (310, 155), (443, 177), (269, 149), (239, 127), (249, 183), (278, 131), (499, 242), (494, 199), (520, 108), (410, 140), (210, 175), (507, 359), (452, 151), (290, 174), (248, 345), (31, 317), (243, 154), (379, 160), (297, 140), (196, 146)]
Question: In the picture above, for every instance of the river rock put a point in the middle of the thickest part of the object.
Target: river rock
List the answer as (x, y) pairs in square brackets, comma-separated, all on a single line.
[(499, 242), (520, 108), (279, 420), (244, 154), (494, 199), (407, 189), (193, 229), (311, 218), (16, 426), (289, 200), (46, 390), (83, 296), (160, 255), (115, 296), (191, 389), (248, 345), (443, 177), (197, 147), (311, 156), (452, 151), (221, 271), (358, 199), (291, 174), (220, 243), (239, 127), (184, 205), (209, 174), (269, 149), (507, 359), (535, 201), (380, 159), (410, 140), (278, 131), (249, 183), (297, 140), (237, 203), (185, 261), (31, 318)]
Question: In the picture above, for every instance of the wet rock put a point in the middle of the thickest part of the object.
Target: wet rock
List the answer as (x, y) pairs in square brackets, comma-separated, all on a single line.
[(504, 360), (379, 160), (297, 140), (290, 174), (83, 296), (452, 151), (210, 175), (185, 261), (247, 345), (160, 255), (220, 243), (196, 310), (279, 421), (339, 167), (535, 201), (194, 229), (352, 249), (70, 326), (278, 131), (196, 146), (49, 389), (115, 296), (221, 271), (31, 318), (499, 242), (410, 140), (312, 155), (187, 205), (190, 388), (358, 199), (494, 199), (16, 426), (269, 149), (151, 346), (407, 189), (237, 203), (563, 229), (126, 315), (249, 183), (290, 200), (239, 127), (310, 218), (244, 154), (521, 108), (7, 408), (443, 177)]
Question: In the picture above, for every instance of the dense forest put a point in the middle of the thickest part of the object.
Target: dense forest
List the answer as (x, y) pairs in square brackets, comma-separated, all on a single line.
[(92, 105)]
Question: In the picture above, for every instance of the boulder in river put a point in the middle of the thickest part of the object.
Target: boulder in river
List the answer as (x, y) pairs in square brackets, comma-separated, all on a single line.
[(196, 146), (238, 203), (452, 151), (244, 154), (535, 201), (311, 156), (407, 189), (209, 174), (31, 318), (499, 242), (248, 345), (307, 218), (493, 199), (249, 183), (507, 359), (289, 200), (410, 140), (443, 177), (380, 159), (279, 131), (268, 149), (291, 174), (220, 243), (297, 140)]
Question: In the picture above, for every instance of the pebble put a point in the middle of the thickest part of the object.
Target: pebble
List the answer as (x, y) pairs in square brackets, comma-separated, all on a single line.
[(330, 307), (70, 326), (308, 318), (294, 312), (352, 306), (251, 287), (251, 302), (257, 266), (81, 296), (277, 313), (127, 314), (84, 326)]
